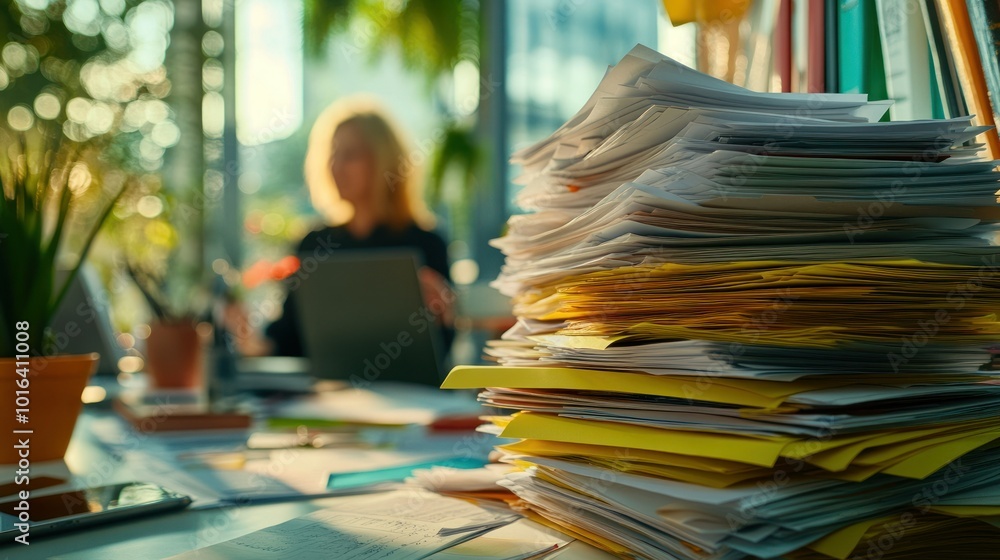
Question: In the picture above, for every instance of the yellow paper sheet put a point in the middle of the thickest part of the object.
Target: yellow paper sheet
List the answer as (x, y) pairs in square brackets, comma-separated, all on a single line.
[(577, 533), (547, 448), (839, 544), (716, 301), (931, 460), (968, 511), (693, 476), (744, 392), (755, 451), (834, 455), (911, 534), (892, 454)]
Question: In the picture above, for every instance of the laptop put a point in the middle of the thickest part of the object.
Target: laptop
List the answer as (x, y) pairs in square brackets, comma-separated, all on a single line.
[(82, 323), (363, 319)]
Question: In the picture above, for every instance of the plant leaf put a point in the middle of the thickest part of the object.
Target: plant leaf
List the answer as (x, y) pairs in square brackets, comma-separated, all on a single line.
[(94, 229)]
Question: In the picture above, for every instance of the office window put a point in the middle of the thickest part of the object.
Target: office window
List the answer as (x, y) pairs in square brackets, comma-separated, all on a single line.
[(268, 70), (558, 50), (277, 211)]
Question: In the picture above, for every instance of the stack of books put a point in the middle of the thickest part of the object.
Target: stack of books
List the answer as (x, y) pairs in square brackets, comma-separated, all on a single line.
[(751, 325)]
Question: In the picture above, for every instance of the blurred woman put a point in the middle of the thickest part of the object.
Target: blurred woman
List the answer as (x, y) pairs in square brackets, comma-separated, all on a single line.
[(363, 181)]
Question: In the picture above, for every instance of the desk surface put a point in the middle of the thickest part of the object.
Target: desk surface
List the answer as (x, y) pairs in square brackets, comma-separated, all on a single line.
[(160, 536), (89, 463)]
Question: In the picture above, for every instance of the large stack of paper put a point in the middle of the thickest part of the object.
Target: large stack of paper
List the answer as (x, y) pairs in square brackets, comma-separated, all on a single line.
[(751, 325)]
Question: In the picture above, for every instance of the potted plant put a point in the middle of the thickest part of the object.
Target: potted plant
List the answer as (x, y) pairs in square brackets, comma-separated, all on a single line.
[(174, 345), (53, 201)]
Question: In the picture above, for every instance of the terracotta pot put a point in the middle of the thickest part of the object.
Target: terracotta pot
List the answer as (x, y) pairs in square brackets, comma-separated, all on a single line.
[(55, 385), (173, 355)]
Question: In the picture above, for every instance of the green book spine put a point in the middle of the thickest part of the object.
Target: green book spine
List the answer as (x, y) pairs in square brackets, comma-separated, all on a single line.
[(937, 104), (851, 46), (860, 51), (875, 85)]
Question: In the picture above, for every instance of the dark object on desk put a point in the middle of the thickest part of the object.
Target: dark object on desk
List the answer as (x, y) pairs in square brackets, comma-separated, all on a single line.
[(83, 323), (65, 511), (364, 320), (456, 423), (321, 243), (36, 483), (170, 417), (274, 374)]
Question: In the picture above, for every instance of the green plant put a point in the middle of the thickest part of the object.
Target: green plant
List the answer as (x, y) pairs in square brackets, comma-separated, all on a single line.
[(155, 287), (459, 153), (65, 63), (49, 186), (432, 35)]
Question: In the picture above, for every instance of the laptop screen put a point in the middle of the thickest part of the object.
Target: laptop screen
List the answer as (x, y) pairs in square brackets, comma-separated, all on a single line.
[(363, 318)]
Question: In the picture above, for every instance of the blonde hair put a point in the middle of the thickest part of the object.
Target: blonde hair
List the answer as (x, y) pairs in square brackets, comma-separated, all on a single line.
[(393, 161)]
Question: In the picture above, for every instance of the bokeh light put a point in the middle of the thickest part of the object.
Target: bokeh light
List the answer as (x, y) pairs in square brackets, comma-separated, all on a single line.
[(80, 178), (47, 106), (212, 75), (249, 182), (125, 340), (100, 118), (464, 271), (212, 43), (149, 206), (81, 16), (156, 110), (213, 114), (220, 266), (160, 233), (113, 7), (272, 223), (93, 394), (77, 109), (141, 331), (20, 118), (165, 134), (131, 364)]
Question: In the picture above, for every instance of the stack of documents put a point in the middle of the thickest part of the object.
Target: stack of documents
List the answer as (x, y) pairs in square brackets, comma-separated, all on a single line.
[(751, 325)]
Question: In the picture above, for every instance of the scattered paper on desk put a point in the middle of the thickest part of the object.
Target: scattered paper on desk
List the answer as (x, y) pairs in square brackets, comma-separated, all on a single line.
[(402, 525), (448, 479), (391, 405), (520, 540), (276, 475), (579, 550)]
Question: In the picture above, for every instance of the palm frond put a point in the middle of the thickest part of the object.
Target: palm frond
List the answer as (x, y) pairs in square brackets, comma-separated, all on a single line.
[(321, 18), (431, 35)]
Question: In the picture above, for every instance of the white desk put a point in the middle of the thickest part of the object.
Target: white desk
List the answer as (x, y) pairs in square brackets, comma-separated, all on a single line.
[(88, 463), (159, 536)]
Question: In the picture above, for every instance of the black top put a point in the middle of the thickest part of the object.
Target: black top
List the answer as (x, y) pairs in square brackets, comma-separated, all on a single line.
[(285, 331)]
